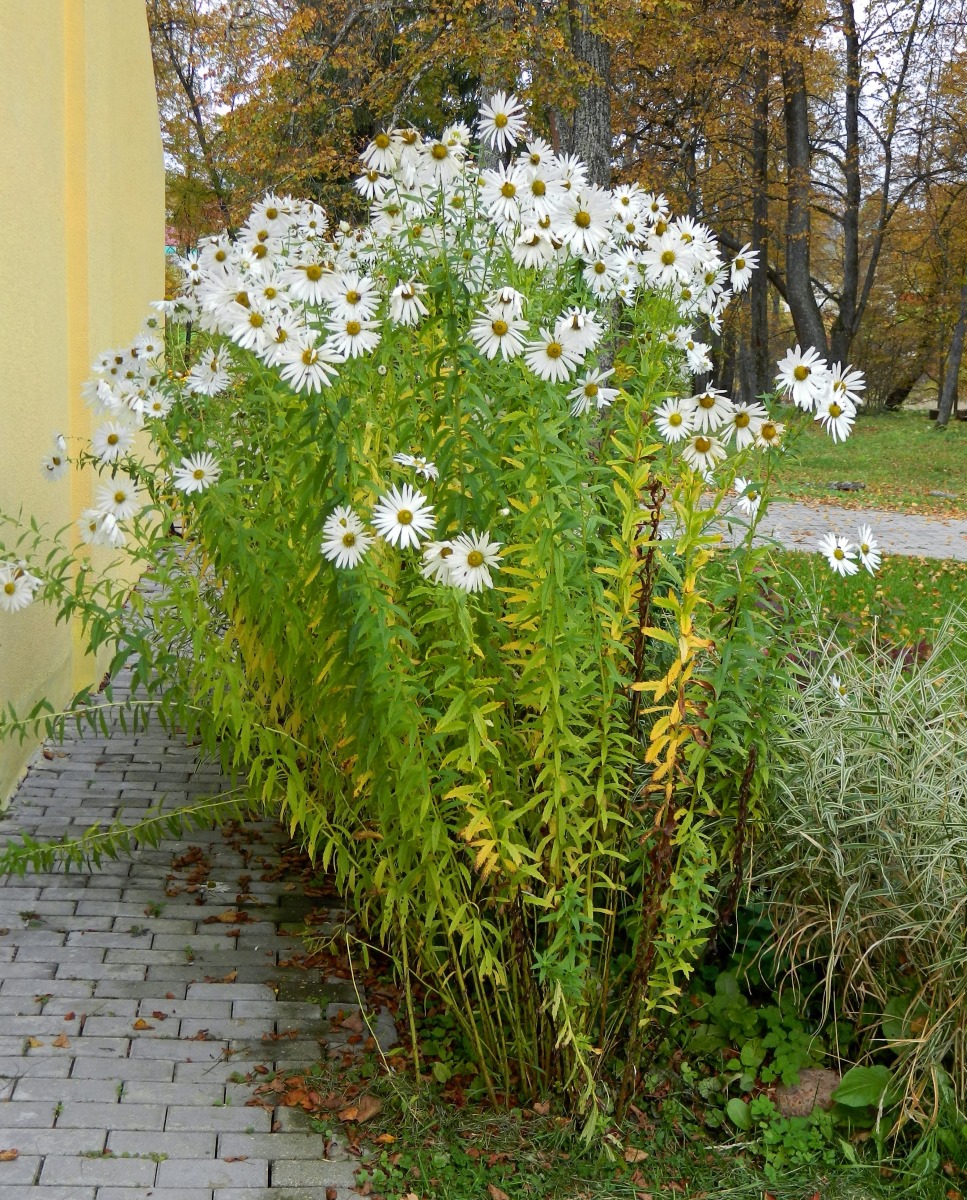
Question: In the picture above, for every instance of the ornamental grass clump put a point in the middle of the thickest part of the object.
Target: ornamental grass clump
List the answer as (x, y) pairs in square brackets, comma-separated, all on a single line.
[(864, 862), (452, 594)]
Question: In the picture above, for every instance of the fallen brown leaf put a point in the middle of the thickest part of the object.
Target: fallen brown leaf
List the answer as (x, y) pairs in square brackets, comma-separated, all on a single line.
[(160, 1016), (384, 1139), (496, 1193), (33, 1042), (632, 1154), (541, 1107), (236, 1158), (354, 1023), (69, 1016), (141, 1023), (9, 1155), (61, 1041)]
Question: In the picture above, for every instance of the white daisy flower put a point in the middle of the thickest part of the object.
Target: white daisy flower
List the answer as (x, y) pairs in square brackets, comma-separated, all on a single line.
[(344, 540), (405, 305), (837, 415), (744, 263), (838, 688), (474, 556), (403, 516), (493, 332), (17, 587), (533, 249), (591, 392), (668, 260), (582, 220), (712, 409), (422, 466), (307, 281), (352, 296), (54, 465), (749, 499), (803, 376), (208, 377), (703, 452), (675, 420), (436, 561), (119, 497), (502, 121), (371, 185), (500, 193), (351, 337), (506, 302), (100, 529), (840, 554), (309, 368), (868, 549), (845, 383), (196, 473), (156, 404), (550, 358), (744, 423), (112, 440), (579, 329), (770, 435), (379, 155)]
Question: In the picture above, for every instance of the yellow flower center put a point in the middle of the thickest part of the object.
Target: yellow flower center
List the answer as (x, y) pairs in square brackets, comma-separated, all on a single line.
[(686, 293), (864, 548), (769, 431), (404, 517), (838, 553), (112, 440), (10, 588), (539, 187), (314, 272), (703, 445), (599, 268), (706, 401), (263, 235), (475, 558), (499, 327), (242, 298), (741, 420), (348, 539), (554, 350), (439, 151), (381, 141), (408, 137), (353, 297), (259, 251), (740, 264), (835, 410), (661, 227), (667, 257), (801, 373), (630, 227), (674, 418), (220, 256), (500, 120), (120, 497), (590, 390), (508, 190), (753, 496), (270, 293), (198, 473), (353, 327), (308, 356), (256, 320), (582, 219), (272, 213)]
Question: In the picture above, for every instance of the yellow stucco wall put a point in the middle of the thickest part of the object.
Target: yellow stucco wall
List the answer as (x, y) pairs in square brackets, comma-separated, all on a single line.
[(82, 209)]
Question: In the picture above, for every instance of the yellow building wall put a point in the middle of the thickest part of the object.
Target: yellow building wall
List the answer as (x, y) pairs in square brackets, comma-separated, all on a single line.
[(82, 214)]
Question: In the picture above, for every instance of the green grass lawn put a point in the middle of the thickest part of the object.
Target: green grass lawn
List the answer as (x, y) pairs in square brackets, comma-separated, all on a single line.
[(905, 601), (899, 456)]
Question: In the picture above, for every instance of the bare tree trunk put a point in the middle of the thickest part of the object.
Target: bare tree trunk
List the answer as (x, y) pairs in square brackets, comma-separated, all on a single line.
[(590, 129), (844, 327), (948, 393), (805, 311), (759, 287)]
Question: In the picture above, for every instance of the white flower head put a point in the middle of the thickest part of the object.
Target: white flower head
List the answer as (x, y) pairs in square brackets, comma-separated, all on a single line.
[(501, 122), (837, 415), (494, 333), (675, 420), (405, 305), (403, 516), (804, 376), (436, 561), (868, 549), (422, 466), (840, 554), (712, 410), (119, 497), (703, 452), (344, 540), (474, 557), (100, 529), (744, 423), (838, 688), (196, 473), (17, 587), (591, 392), (744, 263), (112, 440), (845, 383), (54, 464), (749, 497), (552, 359)]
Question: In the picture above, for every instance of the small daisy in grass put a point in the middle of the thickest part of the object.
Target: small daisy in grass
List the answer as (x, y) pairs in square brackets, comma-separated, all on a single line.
[(591, 392), (17, 587), (675, 420), (838, 688), (749, 498), (344, 540), (474, 557), (840, 554), (403, 516), (196, 473), (552, 359), (422, 466), (703, 452), (119, 497), (868, 549), (501, 123)]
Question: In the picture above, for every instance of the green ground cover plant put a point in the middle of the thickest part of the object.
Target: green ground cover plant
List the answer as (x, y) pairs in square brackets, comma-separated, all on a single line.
[(899, 456)]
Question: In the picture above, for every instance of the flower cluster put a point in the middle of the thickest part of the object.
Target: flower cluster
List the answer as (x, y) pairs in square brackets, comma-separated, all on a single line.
[(831, 393), (17, 586), (842, 554)]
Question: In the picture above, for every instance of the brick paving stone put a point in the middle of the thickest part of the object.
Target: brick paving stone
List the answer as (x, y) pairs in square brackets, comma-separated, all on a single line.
[(106, 946)]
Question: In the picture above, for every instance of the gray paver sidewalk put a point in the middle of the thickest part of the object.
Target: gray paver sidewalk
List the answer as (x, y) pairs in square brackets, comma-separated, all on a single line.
[(800, 526), (127, 1014)]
